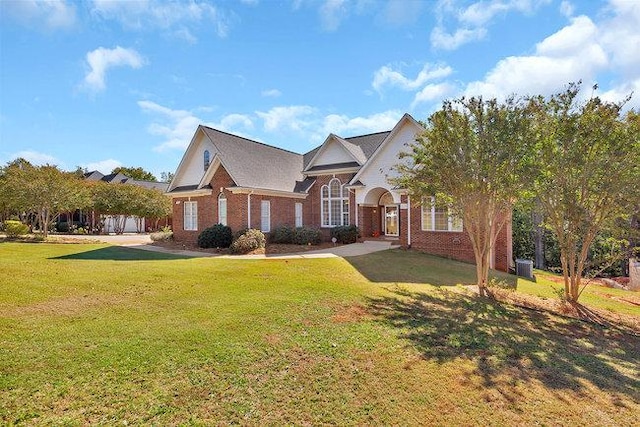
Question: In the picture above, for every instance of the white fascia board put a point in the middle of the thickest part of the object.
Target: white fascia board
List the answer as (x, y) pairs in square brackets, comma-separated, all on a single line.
[(266, 192), (191, 193), (213, 167), (332, 171)]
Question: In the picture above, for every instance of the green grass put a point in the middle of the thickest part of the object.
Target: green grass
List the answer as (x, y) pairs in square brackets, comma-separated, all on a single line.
[(91, 334)]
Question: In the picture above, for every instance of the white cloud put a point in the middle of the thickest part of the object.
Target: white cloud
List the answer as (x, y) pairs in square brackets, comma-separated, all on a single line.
[(573, 53), (433, 92), (332, 12), (344, 125), (471, 22), (101, 59), (36, 157), (46, 14), (292, 118), (153, 14), (480, 13), (310, 124), (387, 76), (176, 127), (232, 121), (441, 39), (104, 166), (271, 93)]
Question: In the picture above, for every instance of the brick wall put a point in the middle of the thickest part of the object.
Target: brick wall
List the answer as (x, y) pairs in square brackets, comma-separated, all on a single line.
[(455, 245)]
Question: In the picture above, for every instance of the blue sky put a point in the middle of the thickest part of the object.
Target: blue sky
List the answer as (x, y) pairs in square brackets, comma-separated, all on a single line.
[(100, 84)]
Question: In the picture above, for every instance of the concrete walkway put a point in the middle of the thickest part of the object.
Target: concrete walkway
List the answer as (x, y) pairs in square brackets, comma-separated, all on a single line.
[(143, 241)]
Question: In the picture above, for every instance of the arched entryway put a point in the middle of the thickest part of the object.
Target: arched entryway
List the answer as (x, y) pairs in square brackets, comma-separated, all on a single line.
[(390, 220), (379, 213)]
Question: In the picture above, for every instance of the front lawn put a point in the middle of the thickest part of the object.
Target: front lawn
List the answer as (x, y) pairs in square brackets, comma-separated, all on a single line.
[(92, 334)]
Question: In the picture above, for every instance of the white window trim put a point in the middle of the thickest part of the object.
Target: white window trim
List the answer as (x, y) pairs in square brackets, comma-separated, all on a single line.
[(344, 195), (265, 220), (431, 206), (222, 200), (190, 224), (297, 213)]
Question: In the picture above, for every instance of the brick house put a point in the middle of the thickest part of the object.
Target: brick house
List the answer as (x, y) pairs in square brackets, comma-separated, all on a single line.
[(224, 178)]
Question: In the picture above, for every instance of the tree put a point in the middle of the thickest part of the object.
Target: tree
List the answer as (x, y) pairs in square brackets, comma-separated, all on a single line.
[(166, 176), (474, 156), (135, 173), (589, 160), (45, 191)]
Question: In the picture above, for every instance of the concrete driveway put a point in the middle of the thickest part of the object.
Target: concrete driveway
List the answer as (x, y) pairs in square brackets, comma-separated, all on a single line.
[(119, 240)]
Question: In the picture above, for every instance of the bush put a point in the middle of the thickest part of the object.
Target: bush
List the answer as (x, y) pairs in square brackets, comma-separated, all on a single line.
[(345, 233), (161, 236), (218, 236), (15, 228), (282, 234), (62, 227), (307, 236), (250, 241)]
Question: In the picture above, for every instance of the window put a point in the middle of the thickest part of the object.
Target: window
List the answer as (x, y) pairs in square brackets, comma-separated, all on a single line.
[(436, 217), (265, 216), (191, 216), (222, 209), (335, 204), (207, 160), (298, 214)]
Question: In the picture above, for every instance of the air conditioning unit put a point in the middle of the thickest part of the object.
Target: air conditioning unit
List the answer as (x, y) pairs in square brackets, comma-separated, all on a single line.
[(524, 268)]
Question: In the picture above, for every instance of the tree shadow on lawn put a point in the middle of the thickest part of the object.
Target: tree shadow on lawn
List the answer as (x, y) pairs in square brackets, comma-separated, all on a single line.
[(119, 253), (510, 345), (402, 266)]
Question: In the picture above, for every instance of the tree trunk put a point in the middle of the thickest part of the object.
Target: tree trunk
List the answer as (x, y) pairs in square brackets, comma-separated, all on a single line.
[(538, 241)]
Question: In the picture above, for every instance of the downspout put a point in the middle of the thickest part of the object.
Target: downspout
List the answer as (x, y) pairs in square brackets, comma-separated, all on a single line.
[(355, 206), (249, 209), (408, 221)]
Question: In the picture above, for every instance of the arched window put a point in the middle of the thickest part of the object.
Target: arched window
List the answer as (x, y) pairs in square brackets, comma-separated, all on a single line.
[(207, 160), (222, 209), (334, 204)]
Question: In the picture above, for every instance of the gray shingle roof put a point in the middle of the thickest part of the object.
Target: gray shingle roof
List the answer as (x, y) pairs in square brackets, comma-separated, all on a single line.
[(120, 178), (368, 143), (256, 165)]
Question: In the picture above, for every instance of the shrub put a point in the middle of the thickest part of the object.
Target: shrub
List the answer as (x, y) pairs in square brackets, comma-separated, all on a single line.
[(345, 233), (250, 241), (239, 233), (161, 236), (15, 228), (282, 234), (218, 236), (62, 227), (307, 236)]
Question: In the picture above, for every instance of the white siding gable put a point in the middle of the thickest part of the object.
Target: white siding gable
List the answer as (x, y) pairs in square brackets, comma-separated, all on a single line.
[(332, 152), (191, 170), (380, 165)]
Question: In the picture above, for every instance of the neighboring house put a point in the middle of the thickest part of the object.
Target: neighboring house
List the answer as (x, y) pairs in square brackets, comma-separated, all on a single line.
[(227, 179), (133, 224)]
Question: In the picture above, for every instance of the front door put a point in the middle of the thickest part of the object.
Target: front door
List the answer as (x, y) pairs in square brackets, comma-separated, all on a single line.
[(391, 220)]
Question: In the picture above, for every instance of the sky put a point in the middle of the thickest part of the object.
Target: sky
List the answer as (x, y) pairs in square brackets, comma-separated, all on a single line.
[(100, 83)]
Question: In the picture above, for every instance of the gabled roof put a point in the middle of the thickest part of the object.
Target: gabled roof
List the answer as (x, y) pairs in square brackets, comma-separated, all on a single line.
[(359, 147), (406, 118), (254, 164)]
